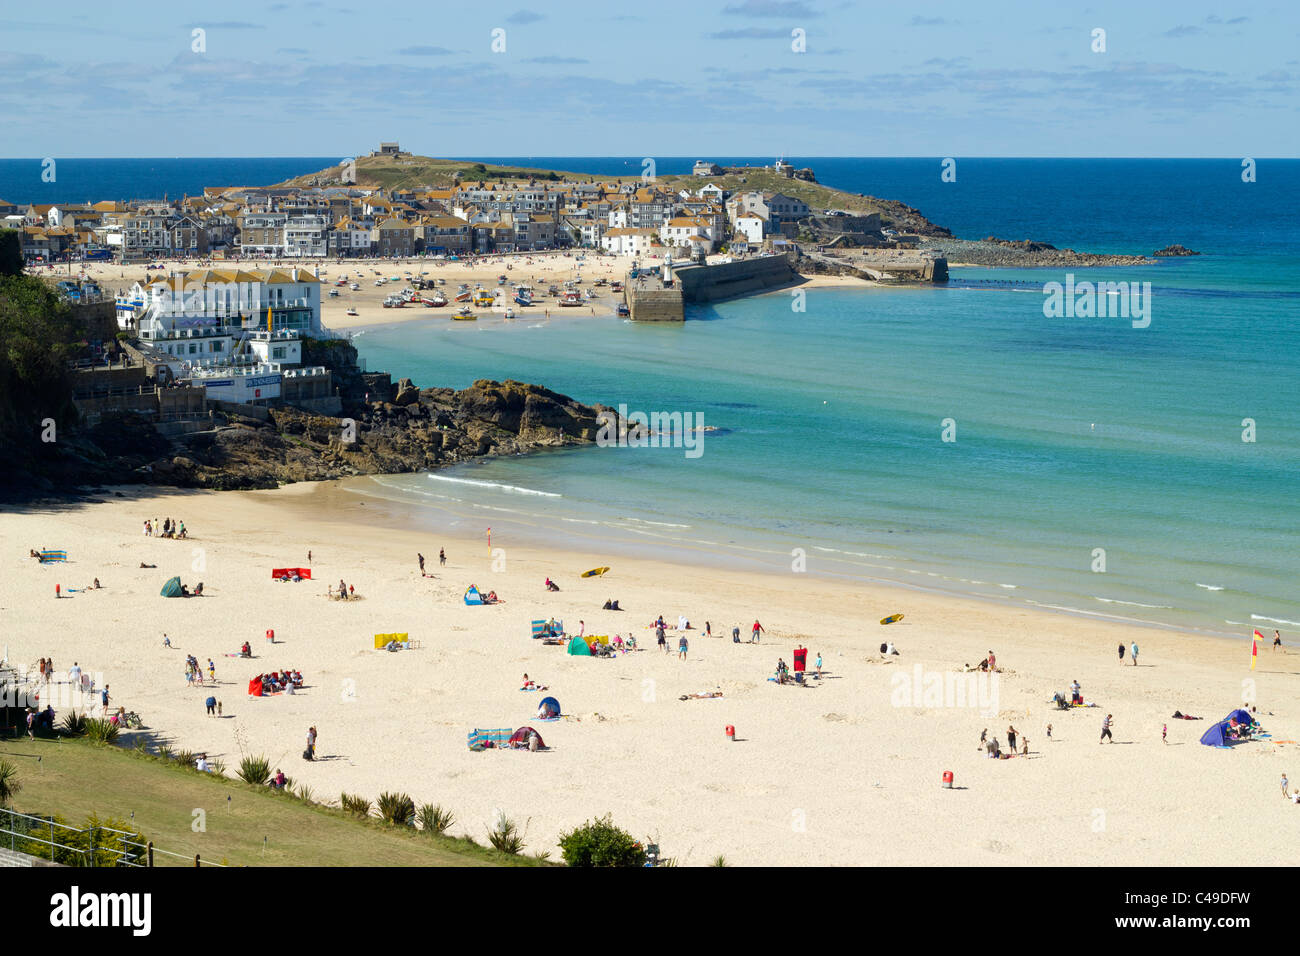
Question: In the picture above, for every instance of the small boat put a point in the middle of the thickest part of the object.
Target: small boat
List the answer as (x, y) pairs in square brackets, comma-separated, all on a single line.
[(510, 313), (484, 299), (624, 310), (437, 301), (464, 315), (615, 286), (334, 293), (524, 296), (351, 311), (354, 287), (571, 299)]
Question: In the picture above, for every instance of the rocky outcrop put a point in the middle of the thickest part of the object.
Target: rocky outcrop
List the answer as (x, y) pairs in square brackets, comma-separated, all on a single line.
[(1023, 252), (418, 430), (1175, 250)]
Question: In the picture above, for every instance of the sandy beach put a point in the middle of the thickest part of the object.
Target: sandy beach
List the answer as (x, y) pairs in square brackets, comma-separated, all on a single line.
[(845, 771), (541, 270)]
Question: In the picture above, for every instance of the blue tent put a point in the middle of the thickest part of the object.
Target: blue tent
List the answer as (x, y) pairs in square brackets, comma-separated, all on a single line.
[(1217, 735), (548, 709), (172, 588), (1241, 717), (472, 596)]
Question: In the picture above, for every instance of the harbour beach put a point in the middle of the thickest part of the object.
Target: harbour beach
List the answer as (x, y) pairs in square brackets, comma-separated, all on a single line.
[(827, 773)]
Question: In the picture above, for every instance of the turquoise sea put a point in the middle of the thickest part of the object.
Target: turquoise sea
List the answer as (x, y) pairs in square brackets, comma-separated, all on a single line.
[(1071, 434)]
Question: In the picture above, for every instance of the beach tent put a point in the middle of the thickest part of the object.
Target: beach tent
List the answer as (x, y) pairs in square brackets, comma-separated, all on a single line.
[(383, 640), (280, 573), (520, 738), (472, 596), (480, 739), (548, 708), (1241, 717), (1217, 735), (172, 588), (578, 647), (255, 687), (53, 556)]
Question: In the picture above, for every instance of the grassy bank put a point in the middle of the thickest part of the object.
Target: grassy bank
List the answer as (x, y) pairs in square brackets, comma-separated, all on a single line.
[(75, 778)]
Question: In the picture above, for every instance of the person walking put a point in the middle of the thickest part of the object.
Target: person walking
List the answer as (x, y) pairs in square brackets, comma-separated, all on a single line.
[(311, 744), (1277, 640), (1105, 727), (1164, 733), (1049, 731), (421, 557), (103, 699), (1285, 784), (1121, 652), (211, 705), (757, 632), (1133, 653), (442, 558)]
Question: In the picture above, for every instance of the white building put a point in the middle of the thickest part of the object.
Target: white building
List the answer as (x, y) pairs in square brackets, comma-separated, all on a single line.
[(306, 236), (237, 299), (751, 227), (628, 242)]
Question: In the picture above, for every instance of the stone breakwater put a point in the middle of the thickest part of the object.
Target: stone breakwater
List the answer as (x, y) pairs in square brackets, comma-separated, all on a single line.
[(1023, 254)]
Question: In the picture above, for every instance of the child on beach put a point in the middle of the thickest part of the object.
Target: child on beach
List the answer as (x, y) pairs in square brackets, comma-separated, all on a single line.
[(1049, 731), (819, 663)]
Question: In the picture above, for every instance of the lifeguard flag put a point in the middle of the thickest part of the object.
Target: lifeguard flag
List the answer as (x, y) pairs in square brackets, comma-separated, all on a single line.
[(1254, 650)]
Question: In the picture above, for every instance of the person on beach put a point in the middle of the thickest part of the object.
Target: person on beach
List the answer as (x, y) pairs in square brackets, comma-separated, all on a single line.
[(212, 671), (984, 738), (735, 634), (1105, 727), (1133, 653), (819, 663), (442, 558), (309, 556), (661, 638), (1011, 738), (1285, 784), (421, 557), (103, 698), (311, 744), (218, 708), (1121, 652), (1277, 640), (993, 662), (681, 648), (1024, 746), (1049, 731), (1164, 733), (757, 633), (1076, 693)]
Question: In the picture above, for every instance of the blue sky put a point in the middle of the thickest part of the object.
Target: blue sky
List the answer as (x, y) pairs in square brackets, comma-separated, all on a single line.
[(673, 78)]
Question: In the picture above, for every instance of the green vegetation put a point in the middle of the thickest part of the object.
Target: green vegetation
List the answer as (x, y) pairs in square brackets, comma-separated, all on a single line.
[(411, 172), (9, 782), (38, 336), (169, 801), (600, 843), (397, 809), (506, 836), (101, 731), (76, 845), (254, 770), (11, 253), (357, 806), (434, 819)]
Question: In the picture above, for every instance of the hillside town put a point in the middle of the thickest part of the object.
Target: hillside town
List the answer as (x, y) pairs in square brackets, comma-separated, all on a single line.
[(471, 217)]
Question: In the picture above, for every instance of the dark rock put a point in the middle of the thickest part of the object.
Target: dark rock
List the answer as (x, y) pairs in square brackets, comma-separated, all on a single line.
[(1175, 250)]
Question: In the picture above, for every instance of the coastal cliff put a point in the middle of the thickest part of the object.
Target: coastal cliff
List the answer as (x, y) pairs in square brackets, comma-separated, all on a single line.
[(408, 429)]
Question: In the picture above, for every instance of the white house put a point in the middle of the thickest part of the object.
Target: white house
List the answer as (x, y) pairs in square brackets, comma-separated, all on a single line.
[(216, 300), (306, 236), (677, 230), (628, 242), (711, 191), (751, 226)]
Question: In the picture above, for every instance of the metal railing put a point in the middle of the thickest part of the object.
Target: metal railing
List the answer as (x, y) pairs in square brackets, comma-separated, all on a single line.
[(104, 846)]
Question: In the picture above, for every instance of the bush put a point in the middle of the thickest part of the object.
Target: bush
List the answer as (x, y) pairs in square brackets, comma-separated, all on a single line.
[(601, 844), (357, 806), (506, 836), (434, 819), (101, 731), (9, 784), (397, 809), (74, 724), (256, 770)]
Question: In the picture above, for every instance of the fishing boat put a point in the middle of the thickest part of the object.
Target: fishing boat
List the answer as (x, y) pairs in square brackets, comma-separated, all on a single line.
[(463, 294), (464, 315), (616, 286), (624, 310), (524, 295), (484, 299), (436, 301), (354, 287), (351, 311), (334, 293), (510, 313), (570, 299)]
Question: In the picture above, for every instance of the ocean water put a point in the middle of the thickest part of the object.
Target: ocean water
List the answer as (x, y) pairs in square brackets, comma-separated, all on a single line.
[(1097, 467), (92, 180)]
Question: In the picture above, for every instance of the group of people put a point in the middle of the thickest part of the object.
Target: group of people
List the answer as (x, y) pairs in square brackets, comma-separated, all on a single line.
[(610, 605), (283, 680), (194, 671), (346, 591), (442, 561), (168, 529), (1133, 653)]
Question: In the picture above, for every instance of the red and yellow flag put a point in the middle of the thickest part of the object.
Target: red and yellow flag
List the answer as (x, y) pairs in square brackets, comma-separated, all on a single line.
[(1254, 648)]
